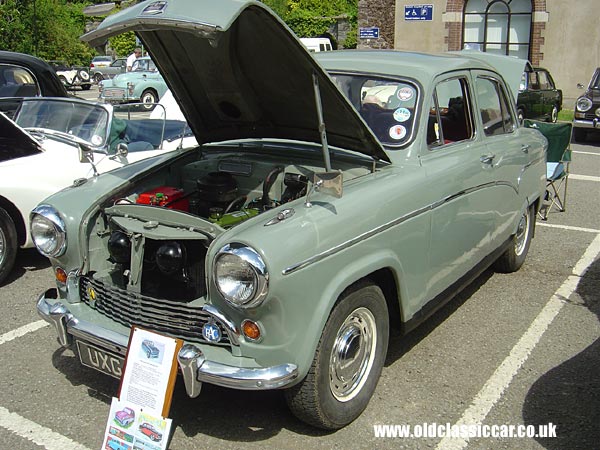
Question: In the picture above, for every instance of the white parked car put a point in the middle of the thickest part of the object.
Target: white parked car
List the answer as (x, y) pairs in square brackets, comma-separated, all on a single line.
[(56, 142)]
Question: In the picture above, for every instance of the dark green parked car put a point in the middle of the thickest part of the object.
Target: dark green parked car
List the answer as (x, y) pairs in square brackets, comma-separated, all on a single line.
[(538, 96)]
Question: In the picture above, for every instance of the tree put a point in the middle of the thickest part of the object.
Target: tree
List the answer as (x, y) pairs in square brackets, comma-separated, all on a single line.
[(310, 18), (49, 29)]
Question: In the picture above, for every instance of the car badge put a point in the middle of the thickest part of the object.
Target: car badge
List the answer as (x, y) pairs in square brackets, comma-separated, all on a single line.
[(154, 8), (92, 296), (211, 332)]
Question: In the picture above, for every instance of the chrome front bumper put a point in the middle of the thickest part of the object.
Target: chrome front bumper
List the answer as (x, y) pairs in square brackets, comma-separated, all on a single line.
[(584, 123), (194, 367)]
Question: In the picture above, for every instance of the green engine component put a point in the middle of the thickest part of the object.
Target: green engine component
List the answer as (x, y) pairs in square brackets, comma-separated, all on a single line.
[(233, 218)]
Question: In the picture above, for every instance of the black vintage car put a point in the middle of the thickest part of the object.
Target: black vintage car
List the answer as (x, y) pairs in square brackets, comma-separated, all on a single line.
[(26, 76), (587, 109), (538, 96)]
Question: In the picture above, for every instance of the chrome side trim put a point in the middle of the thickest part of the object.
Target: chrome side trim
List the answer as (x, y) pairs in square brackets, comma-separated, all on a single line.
[(381, 228), (194, 367)]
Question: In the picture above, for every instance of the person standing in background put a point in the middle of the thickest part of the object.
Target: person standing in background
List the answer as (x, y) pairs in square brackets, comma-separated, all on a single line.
[(131, 58)]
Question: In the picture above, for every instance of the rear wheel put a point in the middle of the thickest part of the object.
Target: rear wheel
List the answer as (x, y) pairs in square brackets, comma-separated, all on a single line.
[(514, 257), (86, 87), (8, 244), (347, 362), (149, 98), (554, 114)]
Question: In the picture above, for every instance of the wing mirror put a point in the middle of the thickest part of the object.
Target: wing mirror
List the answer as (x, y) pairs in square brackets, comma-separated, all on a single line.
[(86, 155), (328, 183), (122, 149)]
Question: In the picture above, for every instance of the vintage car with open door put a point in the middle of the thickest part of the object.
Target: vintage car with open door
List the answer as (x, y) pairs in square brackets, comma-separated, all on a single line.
[(328, 203)]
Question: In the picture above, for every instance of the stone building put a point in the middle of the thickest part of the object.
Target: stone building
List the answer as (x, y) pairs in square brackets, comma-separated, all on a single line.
[(561, 35)]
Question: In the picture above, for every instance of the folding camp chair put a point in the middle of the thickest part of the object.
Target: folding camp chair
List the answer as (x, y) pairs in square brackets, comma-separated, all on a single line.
[(557, 164)]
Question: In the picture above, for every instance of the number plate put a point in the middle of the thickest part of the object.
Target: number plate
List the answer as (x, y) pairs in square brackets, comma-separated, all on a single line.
[(101, 360)]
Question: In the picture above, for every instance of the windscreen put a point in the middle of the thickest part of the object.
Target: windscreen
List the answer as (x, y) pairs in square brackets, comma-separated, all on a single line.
[(387, 106), (87, 122)]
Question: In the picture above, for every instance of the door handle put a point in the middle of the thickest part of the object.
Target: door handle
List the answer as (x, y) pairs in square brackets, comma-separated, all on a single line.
[(487, 159), (525, 148)]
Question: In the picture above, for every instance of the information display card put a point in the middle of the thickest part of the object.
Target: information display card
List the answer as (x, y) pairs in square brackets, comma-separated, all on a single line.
[(138, 418)]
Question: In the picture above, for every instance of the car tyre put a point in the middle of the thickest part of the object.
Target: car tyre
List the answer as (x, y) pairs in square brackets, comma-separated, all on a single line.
[(98, 78), (86, 87), (63, 80), (347, 362), (579, 134), (520, 116), (8, 244), (553, 114), (149, 98), (514, 257)]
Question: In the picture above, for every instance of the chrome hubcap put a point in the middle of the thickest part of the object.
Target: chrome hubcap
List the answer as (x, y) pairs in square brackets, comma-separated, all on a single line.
[(352, 354), (522, 233)]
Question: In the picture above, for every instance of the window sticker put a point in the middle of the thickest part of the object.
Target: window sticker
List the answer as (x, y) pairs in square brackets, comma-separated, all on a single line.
[(405, 93), (401, 115), (96, 139), (397, 132)]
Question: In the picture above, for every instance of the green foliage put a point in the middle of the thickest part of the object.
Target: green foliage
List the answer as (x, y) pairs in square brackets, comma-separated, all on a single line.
[(311, 18), (49, 29), (123, 44)]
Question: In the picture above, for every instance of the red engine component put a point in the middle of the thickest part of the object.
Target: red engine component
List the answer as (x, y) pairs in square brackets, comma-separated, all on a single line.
[(166, 196)]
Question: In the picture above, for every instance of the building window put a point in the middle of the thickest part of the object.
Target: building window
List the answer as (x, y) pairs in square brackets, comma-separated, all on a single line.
[(498, 26)]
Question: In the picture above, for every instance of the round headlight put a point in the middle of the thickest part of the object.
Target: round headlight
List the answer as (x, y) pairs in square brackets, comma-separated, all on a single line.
[(583, 104), (241, 275), (48, 231)]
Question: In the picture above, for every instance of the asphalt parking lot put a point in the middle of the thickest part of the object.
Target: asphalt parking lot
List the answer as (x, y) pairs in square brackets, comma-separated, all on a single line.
[(516, 349)]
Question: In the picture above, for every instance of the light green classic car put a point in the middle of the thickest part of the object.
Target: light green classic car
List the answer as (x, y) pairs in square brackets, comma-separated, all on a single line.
[(329, 202)]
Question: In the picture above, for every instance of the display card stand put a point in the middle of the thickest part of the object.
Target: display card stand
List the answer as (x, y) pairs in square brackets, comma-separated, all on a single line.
[(138, 418)]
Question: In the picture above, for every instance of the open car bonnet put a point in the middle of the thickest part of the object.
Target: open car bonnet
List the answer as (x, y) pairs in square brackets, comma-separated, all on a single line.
[(238, 72), (15, 142)]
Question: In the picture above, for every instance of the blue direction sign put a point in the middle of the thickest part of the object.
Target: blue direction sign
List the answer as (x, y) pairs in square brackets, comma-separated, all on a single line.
[(368, 32), (418, 12)]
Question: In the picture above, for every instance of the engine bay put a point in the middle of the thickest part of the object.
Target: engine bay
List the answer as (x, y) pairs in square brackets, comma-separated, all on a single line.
[(153, 238)]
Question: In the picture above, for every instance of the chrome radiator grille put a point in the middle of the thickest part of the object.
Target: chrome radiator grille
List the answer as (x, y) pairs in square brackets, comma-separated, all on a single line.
[(163, 316)]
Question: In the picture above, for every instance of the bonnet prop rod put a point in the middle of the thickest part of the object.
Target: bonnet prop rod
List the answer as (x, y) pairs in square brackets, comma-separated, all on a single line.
[(322, 130)]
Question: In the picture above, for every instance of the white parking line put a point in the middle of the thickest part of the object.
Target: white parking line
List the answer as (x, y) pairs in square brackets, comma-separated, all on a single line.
[(586, 153), (567, 227), (583, 177), (494, 388), (22, 331), (35, 433)]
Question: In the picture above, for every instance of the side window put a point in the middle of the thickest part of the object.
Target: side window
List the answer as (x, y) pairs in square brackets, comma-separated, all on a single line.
[(16, 81), (534, 84), (543, 79), (449, 114), (493, 107)]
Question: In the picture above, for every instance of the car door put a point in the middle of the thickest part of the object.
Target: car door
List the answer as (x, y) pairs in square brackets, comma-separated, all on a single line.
[(548, 92), (460, 189), (507, 156)]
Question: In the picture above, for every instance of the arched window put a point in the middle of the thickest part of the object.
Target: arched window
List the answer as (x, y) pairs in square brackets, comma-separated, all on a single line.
[(498, 26)]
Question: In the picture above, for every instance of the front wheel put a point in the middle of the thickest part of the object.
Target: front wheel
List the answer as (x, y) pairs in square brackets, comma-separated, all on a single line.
[(520, 116), (98, 78), (513, 258), (149, 98), (8, 244), (63, 80), (347, 363)]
